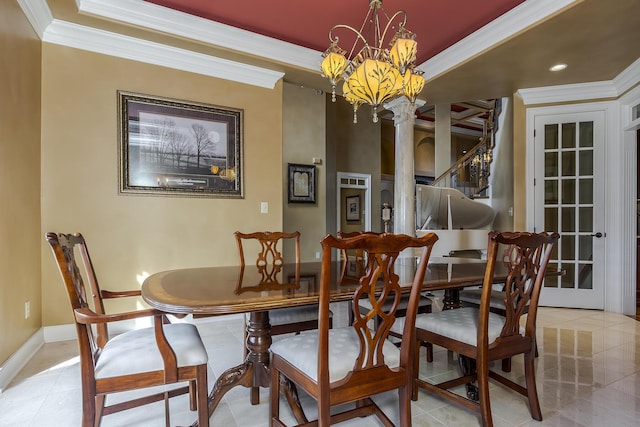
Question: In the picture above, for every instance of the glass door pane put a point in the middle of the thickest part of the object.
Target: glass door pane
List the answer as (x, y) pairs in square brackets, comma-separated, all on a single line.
[(568, 200)]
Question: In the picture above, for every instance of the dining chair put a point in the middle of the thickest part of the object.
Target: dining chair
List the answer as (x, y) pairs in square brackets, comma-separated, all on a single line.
[(483, 336), (471, 297), (353, 268), (154, 356), (267, 245), (353, 363)]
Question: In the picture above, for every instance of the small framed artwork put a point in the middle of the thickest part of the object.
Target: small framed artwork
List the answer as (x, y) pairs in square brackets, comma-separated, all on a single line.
[(172, 147), (353, 208), (302, 183)]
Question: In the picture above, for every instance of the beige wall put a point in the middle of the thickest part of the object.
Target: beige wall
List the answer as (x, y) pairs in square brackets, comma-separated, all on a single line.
[(19, 178), (356, 149), (130, 235), (501, 181), (519, 158), (303, 139)]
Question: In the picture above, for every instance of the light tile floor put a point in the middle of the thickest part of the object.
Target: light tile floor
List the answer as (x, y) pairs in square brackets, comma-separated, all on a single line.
[(588, 374)]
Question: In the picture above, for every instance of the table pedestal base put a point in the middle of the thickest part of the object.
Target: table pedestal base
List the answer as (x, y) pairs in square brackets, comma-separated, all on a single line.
[(254, 371)]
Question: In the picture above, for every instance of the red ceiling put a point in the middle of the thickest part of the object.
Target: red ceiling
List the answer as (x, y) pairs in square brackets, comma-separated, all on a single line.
[(437, 23)]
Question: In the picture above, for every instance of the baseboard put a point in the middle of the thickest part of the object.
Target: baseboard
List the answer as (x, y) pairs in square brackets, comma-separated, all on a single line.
[(20, 358), (59, 333)]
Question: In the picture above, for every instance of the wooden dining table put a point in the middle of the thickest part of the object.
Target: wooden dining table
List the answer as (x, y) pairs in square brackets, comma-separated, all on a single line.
[(227, 290)]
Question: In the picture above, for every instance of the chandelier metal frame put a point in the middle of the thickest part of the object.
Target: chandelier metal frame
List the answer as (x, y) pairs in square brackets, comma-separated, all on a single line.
[(373, 73)]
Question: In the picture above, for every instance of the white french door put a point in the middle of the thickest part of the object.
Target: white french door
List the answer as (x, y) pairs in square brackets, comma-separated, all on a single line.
[(569, 170)]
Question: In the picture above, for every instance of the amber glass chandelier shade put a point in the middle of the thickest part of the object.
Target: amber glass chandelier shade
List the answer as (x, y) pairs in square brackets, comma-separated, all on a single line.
[(413, 85), (333, 65), (352, 99), (403, 54), (375, 82)]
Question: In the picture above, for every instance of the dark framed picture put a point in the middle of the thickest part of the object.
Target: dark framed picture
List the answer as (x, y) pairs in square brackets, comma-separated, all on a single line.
[(173, 147), (353, 208), (302, 183)]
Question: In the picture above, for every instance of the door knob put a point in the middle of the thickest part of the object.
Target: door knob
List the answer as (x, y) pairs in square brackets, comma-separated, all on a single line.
[(597, 235)]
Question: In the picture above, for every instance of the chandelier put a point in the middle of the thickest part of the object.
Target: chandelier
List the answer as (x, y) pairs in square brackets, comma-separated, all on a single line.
[(372, 73)]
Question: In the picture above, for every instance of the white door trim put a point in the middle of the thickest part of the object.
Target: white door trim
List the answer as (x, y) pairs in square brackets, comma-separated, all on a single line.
[(629, 142), (353, 179)]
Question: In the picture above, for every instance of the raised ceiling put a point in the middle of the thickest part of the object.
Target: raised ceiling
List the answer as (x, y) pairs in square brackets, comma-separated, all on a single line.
[(468, 50), (437, 24)]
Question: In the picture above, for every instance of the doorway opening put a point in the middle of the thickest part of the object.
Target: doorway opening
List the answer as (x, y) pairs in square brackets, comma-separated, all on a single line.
[(353, 202)]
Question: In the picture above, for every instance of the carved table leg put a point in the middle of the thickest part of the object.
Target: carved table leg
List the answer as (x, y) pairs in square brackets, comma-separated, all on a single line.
[(451, 299), (254, 372), (258, 343), (468, 366)]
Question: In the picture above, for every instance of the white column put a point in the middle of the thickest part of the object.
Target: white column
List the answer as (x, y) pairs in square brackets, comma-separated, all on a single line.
[(443, 139), (403, 192)]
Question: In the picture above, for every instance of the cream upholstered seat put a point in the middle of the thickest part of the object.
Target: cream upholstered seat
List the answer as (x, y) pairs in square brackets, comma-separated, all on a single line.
[(302, 351), (349, 365), (460, 324), (159, 355), (484, 336), (472, 297), (136, 351)]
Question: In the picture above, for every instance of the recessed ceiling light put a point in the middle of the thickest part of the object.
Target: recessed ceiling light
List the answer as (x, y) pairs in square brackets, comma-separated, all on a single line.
[(558, 67)]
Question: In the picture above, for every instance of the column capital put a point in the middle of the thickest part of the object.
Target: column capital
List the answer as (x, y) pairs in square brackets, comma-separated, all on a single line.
[(403, 109)]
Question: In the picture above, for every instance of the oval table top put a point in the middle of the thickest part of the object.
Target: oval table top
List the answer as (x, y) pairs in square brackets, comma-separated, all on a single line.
[(236, 289)]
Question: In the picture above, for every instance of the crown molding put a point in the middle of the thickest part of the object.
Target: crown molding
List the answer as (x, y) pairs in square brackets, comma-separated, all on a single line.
[(568, 93), (108, 43), (81, 37), (504, 27), (38, 14), (628, 78), (615, 88), (148, 15)]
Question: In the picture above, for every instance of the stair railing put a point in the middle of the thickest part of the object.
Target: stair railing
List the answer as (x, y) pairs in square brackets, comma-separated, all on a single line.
[(470, 173)]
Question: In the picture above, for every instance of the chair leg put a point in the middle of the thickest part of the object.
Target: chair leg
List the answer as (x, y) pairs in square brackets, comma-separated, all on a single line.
[(405, 404), (416, 371), (506, 364), (483, 394), (193, 395), (324, 414), (202, 395), (429, 348), (274, 401), (532, 390), (92, 411)]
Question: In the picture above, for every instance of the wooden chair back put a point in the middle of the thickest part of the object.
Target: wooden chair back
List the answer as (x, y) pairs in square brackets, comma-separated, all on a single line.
[(526, 255), (353, 261), (65, 247), (268, 255), (379, 283)]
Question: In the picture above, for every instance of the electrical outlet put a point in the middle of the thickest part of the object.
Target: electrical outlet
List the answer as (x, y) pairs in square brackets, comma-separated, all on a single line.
[(27, 309), (264, 207), (317, 255)]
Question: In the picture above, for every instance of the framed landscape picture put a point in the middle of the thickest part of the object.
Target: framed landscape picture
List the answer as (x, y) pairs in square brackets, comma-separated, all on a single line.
[(173, 147), (353, 208)]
